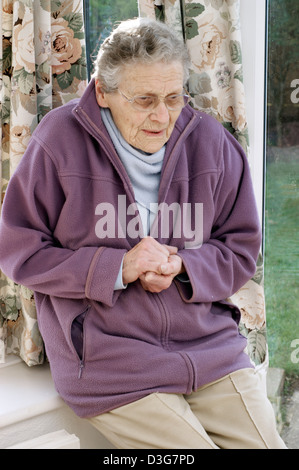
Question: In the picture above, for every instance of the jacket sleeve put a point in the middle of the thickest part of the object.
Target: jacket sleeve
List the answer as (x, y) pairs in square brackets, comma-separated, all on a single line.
[(227, 258), (29, 252)]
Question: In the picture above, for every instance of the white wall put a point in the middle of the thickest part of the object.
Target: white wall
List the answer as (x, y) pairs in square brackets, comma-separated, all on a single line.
[(253, 27)]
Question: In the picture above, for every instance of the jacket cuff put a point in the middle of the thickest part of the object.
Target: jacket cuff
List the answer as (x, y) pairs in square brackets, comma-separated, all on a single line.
[(102, 275)]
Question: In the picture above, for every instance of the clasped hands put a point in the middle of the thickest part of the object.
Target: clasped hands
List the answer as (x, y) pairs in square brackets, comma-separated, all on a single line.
[(154, 264)]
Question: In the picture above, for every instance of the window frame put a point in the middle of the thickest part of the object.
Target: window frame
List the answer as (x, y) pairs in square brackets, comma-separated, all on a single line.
[(253, 18), (254, 30)]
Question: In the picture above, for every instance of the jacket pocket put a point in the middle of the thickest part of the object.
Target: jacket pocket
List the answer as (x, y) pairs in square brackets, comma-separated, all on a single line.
[(77, 333)]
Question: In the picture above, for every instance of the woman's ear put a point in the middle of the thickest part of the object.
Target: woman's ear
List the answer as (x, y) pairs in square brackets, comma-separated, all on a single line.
[(100, 95)]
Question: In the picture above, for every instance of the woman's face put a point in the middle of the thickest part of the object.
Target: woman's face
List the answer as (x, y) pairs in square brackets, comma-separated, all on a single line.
[(144, 130)]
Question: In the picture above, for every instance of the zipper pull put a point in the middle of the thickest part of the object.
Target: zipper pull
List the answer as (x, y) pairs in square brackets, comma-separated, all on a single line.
[(80, 369)]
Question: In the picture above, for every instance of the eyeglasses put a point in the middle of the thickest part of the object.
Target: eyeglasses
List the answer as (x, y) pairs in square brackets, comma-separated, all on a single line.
[(173, 102)]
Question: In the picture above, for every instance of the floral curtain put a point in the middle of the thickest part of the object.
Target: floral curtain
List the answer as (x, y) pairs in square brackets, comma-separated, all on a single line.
[(212, 32), (42, 66)]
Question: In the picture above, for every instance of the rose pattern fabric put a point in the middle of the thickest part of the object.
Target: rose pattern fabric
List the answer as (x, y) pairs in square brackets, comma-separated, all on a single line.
[(42, 66), (211, 30), (66, 48)]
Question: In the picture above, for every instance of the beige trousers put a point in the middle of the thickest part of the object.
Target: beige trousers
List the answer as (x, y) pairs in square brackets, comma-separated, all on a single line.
[(230, 413)]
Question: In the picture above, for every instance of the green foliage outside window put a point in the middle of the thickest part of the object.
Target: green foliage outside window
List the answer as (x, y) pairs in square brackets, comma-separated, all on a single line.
[(282, 183)]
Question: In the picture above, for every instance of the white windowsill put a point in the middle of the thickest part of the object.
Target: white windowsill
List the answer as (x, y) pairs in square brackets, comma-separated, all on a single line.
[(25, 392), (10, 360), (30, 407)]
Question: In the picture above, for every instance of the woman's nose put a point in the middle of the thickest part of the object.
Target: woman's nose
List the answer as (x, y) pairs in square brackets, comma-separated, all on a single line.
[(160, 113)]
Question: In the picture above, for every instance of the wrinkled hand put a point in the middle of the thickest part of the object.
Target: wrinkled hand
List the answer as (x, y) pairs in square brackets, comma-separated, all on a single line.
[(154, 264), (156, 282)]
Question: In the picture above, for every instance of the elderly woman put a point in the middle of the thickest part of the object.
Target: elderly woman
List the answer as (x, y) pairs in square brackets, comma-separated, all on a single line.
[(132, 217)]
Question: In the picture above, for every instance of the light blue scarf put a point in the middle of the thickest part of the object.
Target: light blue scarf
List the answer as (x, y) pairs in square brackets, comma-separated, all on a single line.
[(144, 170)]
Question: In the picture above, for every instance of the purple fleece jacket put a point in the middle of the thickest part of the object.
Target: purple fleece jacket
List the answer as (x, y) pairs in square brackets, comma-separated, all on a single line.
[(110, 347)]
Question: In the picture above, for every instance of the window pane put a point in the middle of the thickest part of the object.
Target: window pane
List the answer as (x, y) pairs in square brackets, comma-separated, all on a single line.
[(282, 186), (100, 17)]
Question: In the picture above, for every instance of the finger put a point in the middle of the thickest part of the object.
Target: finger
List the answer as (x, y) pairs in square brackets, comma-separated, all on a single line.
[(155, 282), (168, 269), (172, 267), (153, 245), (172, 250)]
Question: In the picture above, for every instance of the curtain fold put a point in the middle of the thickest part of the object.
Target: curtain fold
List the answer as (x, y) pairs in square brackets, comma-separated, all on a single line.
[(42, 66), (212, 32)]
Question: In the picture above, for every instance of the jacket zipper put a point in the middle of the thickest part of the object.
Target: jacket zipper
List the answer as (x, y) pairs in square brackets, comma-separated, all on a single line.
[(192, 372), (165, 322), (165, 344), (81, 368)]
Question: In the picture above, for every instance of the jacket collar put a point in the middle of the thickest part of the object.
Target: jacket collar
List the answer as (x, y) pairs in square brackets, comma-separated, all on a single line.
[(87, 112)]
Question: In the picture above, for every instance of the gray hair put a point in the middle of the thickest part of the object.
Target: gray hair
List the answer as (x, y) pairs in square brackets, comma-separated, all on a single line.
[(140, 40)]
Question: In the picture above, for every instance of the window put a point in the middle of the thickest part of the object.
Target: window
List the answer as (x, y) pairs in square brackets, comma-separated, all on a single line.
[(282, 185), (100, 17)]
